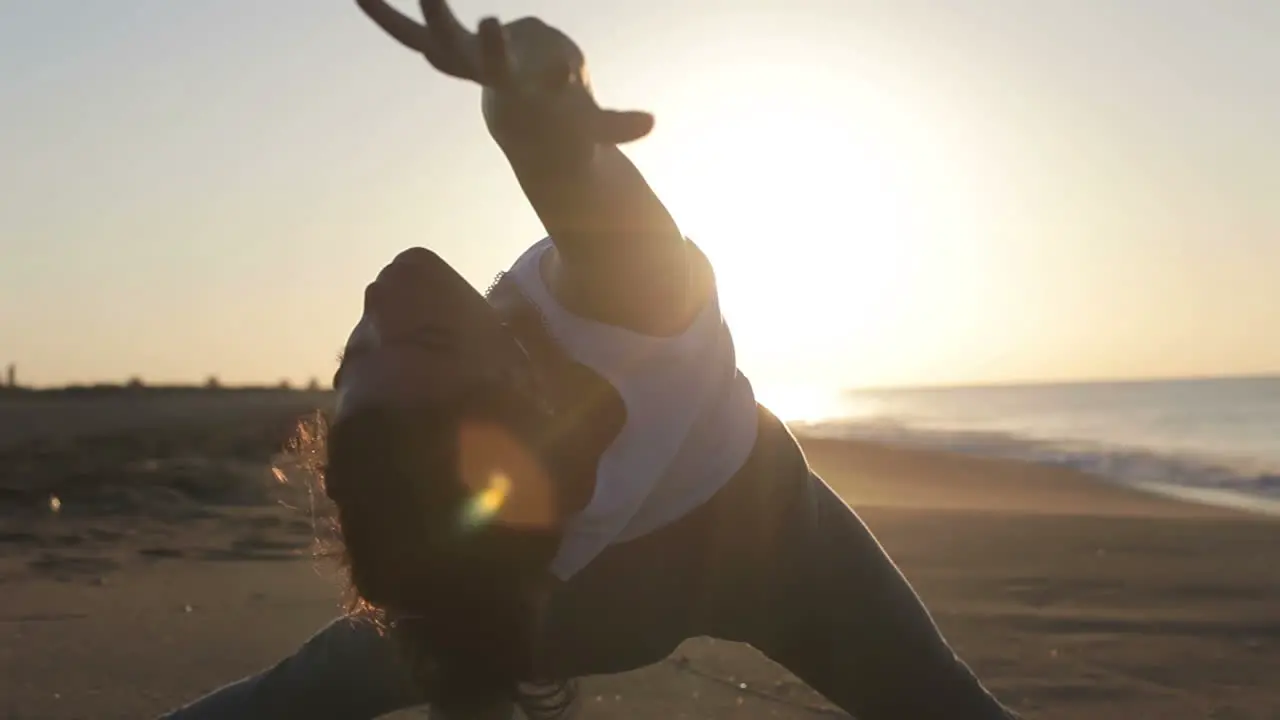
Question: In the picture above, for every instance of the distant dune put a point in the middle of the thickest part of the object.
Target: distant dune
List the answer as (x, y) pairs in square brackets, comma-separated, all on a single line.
[(106, 409)]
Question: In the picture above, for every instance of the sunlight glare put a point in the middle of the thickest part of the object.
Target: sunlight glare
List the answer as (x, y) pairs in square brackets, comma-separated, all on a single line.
[(812, 197), (799, 404), (485, 504)]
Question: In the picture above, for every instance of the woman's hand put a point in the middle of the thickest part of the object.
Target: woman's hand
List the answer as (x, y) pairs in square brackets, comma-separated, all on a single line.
[(620, 258), (537, 98)]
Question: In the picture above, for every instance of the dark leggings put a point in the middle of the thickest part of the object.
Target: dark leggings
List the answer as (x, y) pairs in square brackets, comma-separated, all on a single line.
[(775, 559)]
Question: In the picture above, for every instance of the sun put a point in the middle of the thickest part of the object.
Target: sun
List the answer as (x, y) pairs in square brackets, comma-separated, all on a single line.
[(803, 199), (800, 404)]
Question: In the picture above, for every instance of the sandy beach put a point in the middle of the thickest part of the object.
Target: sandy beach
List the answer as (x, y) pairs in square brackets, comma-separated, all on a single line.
[(175, 562)]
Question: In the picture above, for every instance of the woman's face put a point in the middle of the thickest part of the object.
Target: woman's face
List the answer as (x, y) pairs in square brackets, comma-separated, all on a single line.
[(428, 345), (426, 337)]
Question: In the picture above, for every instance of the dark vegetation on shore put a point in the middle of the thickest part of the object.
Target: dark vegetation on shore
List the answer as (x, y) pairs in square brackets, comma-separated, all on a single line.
[(135, 387)]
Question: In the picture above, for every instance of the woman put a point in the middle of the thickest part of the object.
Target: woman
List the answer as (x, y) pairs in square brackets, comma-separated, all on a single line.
[(571, 476)]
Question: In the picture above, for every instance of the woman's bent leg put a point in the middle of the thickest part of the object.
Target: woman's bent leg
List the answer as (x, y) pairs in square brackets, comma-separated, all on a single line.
[(347, 671)]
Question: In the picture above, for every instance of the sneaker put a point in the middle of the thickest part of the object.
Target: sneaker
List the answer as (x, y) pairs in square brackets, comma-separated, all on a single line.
[(548, 701)]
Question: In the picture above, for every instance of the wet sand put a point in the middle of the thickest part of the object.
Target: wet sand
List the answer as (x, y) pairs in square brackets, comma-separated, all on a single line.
[(171, 566)]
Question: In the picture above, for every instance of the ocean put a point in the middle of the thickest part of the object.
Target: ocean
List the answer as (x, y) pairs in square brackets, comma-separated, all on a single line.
[(1213, 441)]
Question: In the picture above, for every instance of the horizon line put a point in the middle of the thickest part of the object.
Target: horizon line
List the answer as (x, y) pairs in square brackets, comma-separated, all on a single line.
[(285, 385), (1043, 383)]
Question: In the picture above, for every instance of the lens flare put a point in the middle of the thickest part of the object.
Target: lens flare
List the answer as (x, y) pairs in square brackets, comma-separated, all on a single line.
[(486, 503)]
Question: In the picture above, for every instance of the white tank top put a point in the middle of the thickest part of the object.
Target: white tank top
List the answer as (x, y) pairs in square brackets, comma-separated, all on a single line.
[(690, 424)]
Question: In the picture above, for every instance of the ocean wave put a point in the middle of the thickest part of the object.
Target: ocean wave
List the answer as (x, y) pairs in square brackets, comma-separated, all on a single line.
[(1241, 483)]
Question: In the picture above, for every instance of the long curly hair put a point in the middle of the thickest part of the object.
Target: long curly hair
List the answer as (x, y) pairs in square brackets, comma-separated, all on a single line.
[(424, 556)]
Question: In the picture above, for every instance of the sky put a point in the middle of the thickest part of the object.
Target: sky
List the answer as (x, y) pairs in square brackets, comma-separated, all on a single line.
[(892, 193)]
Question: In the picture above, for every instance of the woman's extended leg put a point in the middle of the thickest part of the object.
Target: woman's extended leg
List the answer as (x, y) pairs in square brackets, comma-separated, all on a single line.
[(842, 617), (347, 671)]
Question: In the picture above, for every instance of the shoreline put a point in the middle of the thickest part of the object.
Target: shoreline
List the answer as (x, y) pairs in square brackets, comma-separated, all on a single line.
[(863, 469), (1206, 495)]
